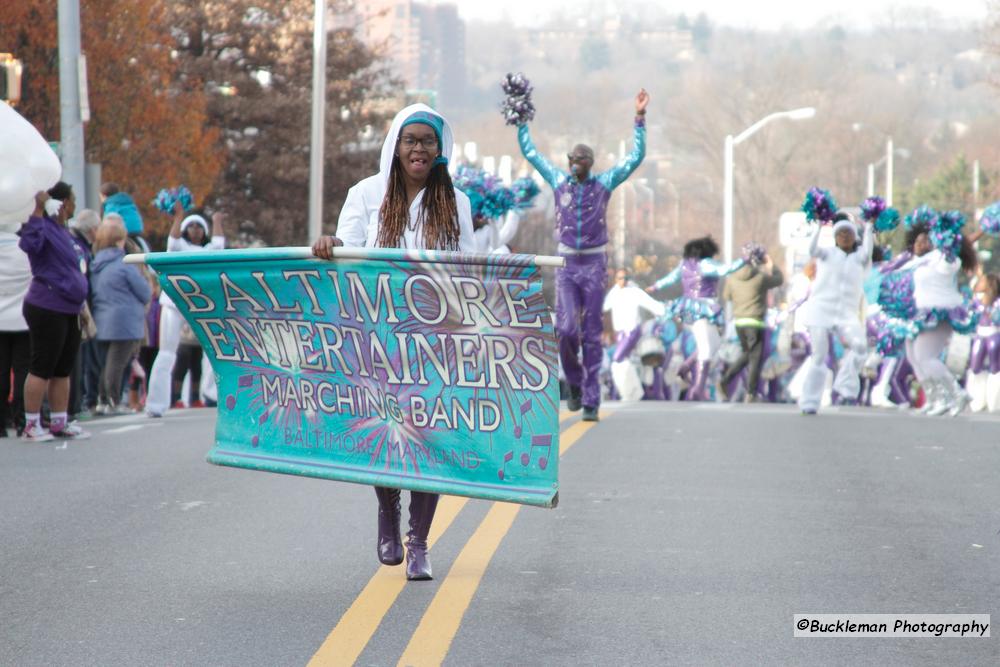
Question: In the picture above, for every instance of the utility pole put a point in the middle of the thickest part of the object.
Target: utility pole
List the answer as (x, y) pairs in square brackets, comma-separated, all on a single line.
[(71, 103), (317, 145)]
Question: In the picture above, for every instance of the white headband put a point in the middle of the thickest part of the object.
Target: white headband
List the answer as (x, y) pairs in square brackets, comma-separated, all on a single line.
[(194, 219), (845, 224)]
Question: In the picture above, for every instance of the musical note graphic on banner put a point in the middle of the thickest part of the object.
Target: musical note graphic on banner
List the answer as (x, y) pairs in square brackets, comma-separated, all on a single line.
[(538, 441), (507, 458), (525, 409)]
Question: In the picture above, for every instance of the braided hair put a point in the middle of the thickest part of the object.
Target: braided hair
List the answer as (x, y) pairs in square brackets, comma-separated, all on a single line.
[(438, 210)]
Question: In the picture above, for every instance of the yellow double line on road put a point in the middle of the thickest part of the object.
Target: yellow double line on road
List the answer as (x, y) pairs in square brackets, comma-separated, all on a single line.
[(430, 642)]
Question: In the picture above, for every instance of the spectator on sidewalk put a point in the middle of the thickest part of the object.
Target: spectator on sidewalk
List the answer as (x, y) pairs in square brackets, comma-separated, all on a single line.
[(15, 344), (86, 375), (120, 295), (52, 309)]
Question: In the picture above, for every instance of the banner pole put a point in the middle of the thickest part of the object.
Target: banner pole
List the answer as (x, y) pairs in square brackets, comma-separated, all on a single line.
[(305, 252)]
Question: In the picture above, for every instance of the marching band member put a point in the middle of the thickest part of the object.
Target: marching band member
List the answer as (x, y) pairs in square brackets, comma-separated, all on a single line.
[(411, 203)]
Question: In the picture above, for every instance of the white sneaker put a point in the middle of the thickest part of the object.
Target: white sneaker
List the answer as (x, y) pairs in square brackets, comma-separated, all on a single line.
[(71, 431), (961, 401), (35, 433)]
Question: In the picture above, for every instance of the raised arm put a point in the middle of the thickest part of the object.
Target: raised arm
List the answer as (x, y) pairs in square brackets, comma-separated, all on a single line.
[(549, 172), (867, 243), (667, 280), (218, 240), (714, 269), (650, 304), (814, 249), (175, 229), (615, 176), (508, 228), (32, 234)]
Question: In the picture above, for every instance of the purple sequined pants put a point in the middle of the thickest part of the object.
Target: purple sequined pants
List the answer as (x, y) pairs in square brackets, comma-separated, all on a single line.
[(580, 291)]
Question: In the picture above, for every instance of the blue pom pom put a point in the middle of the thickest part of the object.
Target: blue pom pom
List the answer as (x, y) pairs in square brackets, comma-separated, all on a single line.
[(895, 295), (489, 197), (166, 199), (922, 215), (525, 190), (887, 220), (819, 205), (872, 208), (946, 233), (990, 222)]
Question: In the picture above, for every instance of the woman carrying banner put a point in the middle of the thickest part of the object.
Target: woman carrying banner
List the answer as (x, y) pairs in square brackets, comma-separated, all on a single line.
[(188, 233), (411, 203)]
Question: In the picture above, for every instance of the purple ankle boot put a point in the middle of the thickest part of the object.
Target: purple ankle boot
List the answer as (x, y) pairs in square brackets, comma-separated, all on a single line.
[(697, 391), (422, 506), (390, 545)]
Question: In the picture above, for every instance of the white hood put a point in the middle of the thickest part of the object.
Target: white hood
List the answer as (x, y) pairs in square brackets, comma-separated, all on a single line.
[(389, 146)]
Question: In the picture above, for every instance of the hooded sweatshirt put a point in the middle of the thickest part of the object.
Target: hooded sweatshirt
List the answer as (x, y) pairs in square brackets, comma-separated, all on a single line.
[(120, 296), (123, 205), (358, 224)]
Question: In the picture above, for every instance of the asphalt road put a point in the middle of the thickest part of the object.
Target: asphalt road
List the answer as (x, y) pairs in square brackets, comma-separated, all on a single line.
[(684, 535)]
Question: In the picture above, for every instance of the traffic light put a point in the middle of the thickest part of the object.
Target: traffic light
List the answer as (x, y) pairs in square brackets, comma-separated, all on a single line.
[(10, 78)]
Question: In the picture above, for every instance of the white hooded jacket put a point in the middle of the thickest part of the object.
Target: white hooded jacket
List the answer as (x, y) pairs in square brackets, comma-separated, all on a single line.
[(358, 224), (835, 295)]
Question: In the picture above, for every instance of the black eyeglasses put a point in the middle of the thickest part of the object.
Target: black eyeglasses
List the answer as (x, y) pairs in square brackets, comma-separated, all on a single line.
[(409, 141), (578, 158)]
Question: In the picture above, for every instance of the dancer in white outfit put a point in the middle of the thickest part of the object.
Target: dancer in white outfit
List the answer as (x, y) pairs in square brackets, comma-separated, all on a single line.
[(834, 306), (626, 301), (188, 233), (941, 309)]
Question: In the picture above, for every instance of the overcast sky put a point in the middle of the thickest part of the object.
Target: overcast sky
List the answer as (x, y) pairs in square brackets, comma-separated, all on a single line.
[(762, 14)]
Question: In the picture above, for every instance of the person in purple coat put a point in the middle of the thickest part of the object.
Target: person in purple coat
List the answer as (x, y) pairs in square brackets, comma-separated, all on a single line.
[(581, 201), (52, 310)]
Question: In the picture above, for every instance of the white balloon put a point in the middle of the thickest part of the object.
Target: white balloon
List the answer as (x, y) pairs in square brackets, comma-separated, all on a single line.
[(27, 165)]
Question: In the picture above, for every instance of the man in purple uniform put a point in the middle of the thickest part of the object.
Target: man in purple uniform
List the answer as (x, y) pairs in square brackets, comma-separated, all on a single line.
[(581, 200)]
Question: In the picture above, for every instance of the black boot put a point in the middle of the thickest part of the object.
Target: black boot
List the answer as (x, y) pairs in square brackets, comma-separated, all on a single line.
[(573, 400), (422, 506), (390, 545)]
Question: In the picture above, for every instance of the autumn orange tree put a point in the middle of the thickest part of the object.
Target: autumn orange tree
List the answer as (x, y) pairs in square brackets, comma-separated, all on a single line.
[(147, 129)]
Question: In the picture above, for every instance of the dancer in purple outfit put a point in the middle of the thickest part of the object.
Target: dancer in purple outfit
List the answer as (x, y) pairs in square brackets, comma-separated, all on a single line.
[(581, 201), (699, 308)]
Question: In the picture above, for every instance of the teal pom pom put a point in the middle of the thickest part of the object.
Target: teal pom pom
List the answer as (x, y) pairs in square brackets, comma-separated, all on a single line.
[(819, 205), (887, 220)]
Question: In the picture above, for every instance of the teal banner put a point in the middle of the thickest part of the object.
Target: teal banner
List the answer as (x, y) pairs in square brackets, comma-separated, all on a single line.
[(429, 371)]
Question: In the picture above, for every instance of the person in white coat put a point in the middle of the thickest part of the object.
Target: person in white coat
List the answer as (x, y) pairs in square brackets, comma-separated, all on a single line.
[(834, 306), (189, 233), (941, 309), (626, 301), (411, 203), (15, 344)]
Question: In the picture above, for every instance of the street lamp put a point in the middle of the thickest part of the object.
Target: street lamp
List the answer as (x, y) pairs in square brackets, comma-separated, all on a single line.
[(727, 203), (872, 166)]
